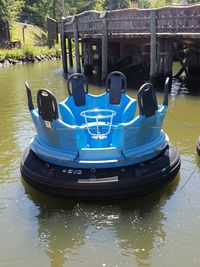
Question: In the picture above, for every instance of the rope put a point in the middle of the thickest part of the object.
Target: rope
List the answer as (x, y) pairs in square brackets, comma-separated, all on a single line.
[(180, 122), (189, 177)]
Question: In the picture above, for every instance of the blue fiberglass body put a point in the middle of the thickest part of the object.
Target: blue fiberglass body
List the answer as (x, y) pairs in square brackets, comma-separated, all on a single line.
[(100, 131)]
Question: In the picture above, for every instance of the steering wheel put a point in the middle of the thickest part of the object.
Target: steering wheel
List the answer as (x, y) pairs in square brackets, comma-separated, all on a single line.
[(94, 119)]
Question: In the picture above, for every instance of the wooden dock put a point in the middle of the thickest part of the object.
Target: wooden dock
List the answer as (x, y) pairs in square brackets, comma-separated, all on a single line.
[(133, 37)]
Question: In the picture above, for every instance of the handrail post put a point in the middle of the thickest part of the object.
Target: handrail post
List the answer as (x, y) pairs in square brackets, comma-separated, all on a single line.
[(63, 48), (153, 49), (104, 69), (76, 44)]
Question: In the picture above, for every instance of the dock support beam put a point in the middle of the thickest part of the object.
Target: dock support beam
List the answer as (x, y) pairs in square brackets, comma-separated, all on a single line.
[(64, 49), (104, 46), (153, 61), (165, 60), (87, 57), (76, 45), (70, 52)]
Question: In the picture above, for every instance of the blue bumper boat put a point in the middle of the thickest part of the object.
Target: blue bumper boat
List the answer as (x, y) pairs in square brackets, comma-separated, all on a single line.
[(95, 146)]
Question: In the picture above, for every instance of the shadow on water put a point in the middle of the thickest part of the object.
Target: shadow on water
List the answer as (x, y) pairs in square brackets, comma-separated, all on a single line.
[(193, 85), (136, 78), (137, 224)]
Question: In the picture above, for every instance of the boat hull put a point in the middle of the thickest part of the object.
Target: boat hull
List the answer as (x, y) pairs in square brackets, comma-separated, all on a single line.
[(198, 145), (104, 183)]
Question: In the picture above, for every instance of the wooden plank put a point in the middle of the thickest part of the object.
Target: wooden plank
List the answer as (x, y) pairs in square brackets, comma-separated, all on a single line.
[(104, 46), (169, 20), (70, 52), (76, 45), (153, 44), (64, 50)]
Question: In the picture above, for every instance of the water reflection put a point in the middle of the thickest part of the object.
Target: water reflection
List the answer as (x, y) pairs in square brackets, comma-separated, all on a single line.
[(61, 231), (2, 206), (134, 226), (140, 227)]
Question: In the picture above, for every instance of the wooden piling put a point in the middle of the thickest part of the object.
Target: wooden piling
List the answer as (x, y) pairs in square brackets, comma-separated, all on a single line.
[(153, 44), (76, 44), (104, 46), (165, 60), (169, 58), (90, 55), (70, 52), (64, 49), (87, 57), (85, 54)]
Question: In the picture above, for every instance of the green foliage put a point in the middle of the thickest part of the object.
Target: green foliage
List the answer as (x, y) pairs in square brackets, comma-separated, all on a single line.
[(193, 1), (31, 48), (99, 5), (14, 54), (73, 7), (116, 4), (161, 3), (33, 35), (36, 11), (3, 10), (144, 4), (28, 51), (10, 9)]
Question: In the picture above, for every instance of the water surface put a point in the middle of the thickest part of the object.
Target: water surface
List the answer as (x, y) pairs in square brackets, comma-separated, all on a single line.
[(161, 229)]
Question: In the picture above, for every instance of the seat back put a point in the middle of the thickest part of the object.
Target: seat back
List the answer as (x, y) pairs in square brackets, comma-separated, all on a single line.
[(47, 105), (51, 132), (115, 86), (147, 100), (78, 88)]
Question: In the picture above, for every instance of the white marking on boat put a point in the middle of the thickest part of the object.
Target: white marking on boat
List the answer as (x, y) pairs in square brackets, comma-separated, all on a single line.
[(99, 161), (47, 124), (99, 180)]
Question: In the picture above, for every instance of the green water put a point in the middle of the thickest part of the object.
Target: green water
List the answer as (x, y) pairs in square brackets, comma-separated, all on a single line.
[(158, 230)]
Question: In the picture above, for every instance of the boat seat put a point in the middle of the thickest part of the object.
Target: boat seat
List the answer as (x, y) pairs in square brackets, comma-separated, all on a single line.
[(78, 88), (52, 133), (115, 86), (145, 128), (147, 101)]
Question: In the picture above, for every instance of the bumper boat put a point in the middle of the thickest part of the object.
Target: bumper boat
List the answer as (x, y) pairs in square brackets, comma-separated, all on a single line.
[(94, 146), (198, 146)]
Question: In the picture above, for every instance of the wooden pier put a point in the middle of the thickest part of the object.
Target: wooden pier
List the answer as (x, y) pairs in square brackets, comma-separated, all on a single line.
[(149, 38)]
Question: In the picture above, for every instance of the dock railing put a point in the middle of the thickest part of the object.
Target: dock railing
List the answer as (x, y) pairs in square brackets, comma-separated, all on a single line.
[(174, 19), (170, 22)]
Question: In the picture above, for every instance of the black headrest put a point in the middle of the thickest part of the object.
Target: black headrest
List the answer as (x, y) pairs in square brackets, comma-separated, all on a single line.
[(47, 105), (147, 100), (78, 88), (115, 85)]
